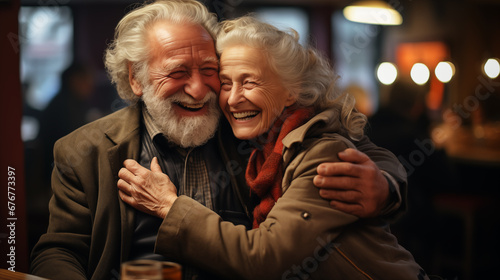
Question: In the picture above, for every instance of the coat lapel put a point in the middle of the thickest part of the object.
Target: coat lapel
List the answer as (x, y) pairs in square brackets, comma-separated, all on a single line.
[(126, 139)]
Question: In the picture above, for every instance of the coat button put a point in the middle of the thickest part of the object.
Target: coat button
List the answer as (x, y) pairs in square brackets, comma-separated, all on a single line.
[(306, 215)]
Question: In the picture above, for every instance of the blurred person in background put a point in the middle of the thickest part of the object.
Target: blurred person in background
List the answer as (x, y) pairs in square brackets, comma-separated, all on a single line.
[(403, 126)]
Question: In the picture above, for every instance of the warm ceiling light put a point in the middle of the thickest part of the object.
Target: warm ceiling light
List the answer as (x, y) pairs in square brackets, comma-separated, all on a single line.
[(373, 12)]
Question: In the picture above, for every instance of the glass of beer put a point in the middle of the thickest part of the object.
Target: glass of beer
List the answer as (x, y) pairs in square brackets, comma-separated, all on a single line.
[(141, 270), (171, 271)]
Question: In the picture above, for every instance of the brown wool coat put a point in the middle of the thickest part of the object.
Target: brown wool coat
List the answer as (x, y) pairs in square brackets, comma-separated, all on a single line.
[(302, 235), (89, 224)]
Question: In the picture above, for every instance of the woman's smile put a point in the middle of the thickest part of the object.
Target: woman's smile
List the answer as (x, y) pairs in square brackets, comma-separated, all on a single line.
[(252, 95), (245, 116)]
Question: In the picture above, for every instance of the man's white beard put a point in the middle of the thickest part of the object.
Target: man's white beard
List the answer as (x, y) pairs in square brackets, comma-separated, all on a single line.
[(186, 132)]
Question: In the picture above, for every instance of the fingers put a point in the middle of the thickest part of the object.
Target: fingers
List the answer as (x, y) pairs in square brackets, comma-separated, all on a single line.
[(124, 187), (347, 197), (125, 174), (349, 166), (155, 167), (353, 155), (129, 182), (352, 165), (134, 167), (338, 169), (353, 209), (126, 198), (336, 182)]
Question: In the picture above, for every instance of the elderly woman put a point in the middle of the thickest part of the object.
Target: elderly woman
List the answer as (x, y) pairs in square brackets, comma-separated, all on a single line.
[(282, 97)]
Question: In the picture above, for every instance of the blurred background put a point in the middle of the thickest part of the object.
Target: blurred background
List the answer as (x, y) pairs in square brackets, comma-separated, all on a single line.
[(425, 73)]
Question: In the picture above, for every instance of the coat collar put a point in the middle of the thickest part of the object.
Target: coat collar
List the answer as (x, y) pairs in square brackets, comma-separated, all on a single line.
[(326, 121), (124, 123)]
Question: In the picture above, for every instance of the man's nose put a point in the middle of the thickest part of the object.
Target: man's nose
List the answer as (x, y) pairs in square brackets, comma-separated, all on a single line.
[(196, 86)]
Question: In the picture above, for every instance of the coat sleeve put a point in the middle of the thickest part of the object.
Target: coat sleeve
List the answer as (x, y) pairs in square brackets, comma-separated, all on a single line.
[(394, 172), (300, 225), (62, 252)]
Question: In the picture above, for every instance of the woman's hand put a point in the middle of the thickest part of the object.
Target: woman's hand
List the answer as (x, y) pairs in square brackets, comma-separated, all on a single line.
[(151, 192)]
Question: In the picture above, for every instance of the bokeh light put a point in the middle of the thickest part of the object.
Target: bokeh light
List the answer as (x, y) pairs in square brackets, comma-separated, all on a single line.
[(387, 73), (444, 71), (420, 73), (492, 68)]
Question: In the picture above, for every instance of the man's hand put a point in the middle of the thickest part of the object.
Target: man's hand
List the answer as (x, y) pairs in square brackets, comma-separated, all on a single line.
[(151, 192), (355, 185)]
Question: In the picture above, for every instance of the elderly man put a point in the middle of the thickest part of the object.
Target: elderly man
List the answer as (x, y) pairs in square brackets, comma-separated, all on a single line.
[(164, 63)]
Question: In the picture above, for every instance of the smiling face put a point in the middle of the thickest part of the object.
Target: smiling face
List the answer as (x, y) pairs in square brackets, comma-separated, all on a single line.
[(252, 96), (182, 59), (180, 92)]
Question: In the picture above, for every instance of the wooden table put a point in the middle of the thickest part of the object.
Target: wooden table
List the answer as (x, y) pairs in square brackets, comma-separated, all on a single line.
[(9, 275)]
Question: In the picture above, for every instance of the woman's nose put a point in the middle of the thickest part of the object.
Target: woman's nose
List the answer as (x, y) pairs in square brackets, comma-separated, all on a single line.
[(236, 95)]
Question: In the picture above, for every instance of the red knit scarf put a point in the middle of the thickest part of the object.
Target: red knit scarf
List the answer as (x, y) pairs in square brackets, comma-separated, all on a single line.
[(265, 168)]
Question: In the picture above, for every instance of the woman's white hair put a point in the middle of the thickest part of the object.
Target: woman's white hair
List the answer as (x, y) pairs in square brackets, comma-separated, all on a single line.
[(304, 71), (130, 44)]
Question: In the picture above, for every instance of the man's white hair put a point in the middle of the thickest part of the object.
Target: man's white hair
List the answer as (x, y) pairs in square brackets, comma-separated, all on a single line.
[(130, 44)]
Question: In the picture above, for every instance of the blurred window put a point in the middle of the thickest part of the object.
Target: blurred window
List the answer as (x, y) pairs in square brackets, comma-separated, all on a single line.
[(46, 50), (46, 37), (355, 47), (285, 18)]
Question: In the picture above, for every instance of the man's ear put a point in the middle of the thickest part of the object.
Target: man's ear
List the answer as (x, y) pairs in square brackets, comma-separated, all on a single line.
[(134, 84)]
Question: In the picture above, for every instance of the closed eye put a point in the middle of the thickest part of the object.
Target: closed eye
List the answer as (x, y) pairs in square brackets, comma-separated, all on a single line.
[(178, 74), (225, 86), (250, 84)]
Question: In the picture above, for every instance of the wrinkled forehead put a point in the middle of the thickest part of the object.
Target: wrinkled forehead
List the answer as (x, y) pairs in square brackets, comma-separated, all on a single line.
[(166, 38), (245, 58)]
